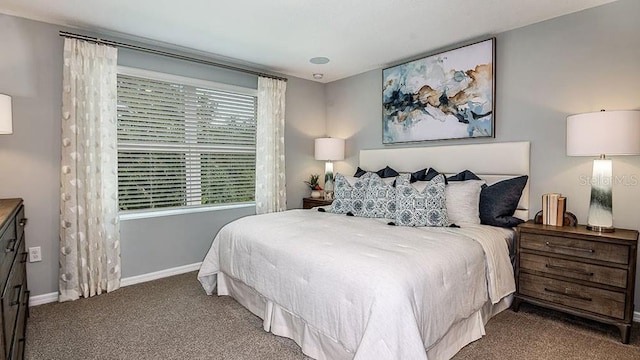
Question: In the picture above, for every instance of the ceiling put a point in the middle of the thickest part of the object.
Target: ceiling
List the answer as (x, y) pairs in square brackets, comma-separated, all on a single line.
[(282, 35)]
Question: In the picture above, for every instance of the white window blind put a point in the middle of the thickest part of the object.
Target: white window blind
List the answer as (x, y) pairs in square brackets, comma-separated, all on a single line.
[(183, 145)]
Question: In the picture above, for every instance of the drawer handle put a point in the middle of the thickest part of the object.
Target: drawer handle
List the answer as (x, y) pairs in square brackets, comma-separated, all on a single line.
[(568, 295), (23, 222), (11, 246), (24, 257), (21, 343), (570, 248), (575, 271), (18, 290), (27, 296)]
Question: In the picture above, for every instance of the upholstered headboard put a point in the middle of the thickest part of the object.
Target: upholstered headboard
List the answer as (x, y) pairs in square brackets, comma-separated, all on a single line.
[(492, 162)]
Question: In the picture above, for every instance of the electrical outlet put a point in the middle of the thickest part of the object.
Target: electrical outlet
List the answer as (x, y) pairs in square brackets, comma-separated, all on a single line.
[(34, 254)]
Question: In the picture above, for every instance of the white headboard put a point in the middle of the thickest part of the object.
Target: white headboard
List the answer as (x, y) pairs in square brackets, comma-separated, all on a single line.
[(492, 162)]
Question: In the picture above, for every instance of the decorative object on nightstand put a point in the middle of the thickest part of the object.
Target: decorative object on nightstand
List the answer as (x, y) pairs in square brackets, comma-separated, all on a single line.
[(578, 271), (329, 150), (599, 134), (314, 185), (308, 203), (554, 207), (14, 304), (569, 219), (6, 119)]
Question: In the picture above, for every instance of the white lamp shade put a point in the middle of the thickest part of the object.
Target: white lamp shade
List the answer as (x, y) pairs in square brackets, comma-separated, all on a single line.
[(6, 124), (329, 149), (604, 133)]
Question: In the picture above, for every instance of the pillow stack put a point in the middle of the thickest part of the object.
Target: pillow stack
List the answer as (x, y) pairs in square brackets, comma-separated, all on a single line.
[(427, 198), (498, 202)]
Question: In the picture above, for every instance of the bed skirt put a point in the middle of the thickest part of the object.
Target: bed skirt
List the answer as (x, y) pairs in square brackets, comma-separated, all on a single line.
[(319, 346)]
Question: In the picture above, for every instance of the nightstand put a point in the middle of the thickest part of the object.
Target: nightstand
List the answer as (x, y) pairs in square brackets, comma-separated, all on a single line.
[(579, 272), (308, 203)]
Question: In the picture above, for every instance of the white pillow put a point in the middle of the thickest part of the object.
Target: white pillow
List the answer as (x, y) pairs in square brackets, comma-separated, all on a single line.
[(463, 201)]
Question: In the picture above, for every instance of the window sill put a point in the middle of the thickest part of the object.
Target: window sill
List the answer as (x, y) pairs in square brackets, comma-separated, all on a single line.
[(144, 214)]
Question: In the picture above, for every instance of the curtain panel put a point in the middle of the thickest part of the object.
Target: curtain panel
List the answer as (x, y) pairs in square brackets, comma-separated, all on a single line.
[(270, 175), (89, 227)]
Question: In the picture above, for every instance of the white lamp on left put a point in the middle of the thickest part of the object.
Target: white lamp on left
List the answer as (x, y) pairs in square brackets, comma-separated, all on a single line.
[(6, 123), (329, 150)]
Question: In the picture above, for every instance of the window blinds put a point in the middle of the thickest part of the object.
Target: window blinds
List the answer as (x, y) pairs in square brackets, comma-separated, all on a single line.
[(183, 145)]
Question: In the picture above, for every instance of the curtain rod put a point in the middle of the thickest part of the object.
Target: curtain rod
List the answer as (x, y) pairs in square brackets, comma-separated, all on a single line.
[(165, 53)]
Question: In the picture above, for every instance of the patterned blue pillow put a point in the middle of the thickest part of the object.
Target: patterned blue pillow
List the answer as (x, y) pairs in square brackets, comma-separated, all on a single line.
[(349, 196), (425, 207), (380, 198)]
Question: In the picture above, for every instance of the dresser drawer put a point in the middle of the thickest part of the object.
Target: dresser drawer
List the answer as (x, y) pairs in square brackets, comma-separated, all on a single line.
[(575, 247), (574, 269), (19, 335), (8, 243), (599, 301), (11, 298)]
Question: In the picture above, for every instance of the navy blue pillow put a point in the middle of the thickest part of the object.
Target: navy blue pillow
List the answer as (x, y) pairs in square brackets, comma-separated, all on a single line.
[(433, 173), (499, 202), (464, 176), (387, 172), (359, 172), (419, 175), (426, 174)]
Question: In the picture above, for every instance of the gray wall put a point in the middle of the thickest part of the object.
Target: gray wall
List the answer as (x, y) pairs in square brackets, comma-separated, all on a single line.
[(31, 72), (577, 63)]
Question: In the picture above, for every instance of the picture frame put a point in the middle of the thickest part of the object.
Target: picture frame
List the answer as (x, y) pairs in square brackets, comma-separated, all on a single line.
[(447, 95)]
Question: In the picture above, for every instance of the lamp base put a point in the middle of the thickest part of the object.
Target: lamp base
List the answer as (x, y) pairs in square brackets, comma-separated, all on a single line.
[(601, 229), (601, 205), (328, 177)]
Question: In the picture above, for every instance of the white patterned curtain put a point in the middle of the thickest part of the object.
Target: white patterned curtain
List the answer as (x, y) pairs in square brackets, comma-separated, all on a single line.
[(89, 228), (270, 177)]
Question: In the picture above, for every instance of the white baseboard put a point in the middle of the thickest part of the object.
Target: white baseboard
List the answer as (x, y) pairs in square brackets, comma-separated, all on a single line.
[(43, 299), (132, 280), (636, 316)]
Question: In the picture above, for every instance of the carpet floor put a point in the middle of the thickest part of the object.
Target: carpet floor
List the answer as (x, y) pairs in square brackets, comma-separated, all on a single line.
[(172, 318)]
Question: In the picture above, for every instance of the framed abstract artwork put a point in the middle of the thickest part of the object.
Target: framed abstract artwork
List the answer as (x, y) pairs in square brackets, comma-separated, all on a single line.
[(450, 95)]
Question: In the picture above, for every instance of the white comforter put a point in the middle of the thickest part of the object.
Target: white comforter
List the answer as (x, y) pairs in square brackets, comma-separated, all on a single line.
[(382, 292)]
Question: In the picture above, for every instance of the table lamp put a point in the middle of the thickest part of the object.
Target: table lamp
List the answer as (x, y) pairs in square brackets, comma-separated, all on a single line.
[(6, 124), (329, 150), (599, 134)]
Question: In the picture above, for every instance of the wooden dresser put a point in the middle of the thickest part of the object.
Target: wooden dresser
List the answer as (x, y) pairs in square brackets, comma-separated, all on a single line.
[(578, 271), (14, 303)]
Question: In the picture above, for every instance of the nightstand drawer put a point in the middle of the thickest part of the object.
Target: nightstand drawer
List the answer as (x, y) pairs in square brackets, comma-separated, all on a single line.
[(599, 301), (575, 247), (574, 269)]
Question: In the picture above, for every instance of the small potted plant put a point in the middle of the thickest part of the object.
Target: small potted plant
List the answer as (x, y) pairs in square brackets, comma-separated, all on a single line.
[(315, 187)]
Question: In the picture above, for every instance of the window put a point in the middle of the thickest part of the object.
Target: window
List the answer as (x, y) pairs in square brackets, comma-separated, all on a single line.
[(184, 142)]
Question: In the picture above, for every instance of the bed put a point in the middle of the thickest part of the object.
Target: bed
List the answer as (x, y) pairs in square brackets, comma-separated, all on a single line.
[(357, 288)]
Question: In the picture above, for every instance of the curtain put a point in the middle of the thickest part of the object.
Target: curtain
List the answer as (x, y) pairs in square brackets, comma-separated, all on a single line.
[(89, 228), (270, 177)]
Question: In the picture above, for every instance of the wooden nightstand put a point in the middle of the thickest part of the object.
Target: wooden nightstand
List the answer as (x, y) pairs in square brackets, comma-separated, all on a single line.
[(308, 203), (577, 271)]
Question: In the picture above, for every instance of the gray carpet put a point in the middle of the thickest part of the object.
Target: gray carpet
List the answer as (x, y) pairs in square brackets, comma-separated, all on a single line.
[(172, 318)]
